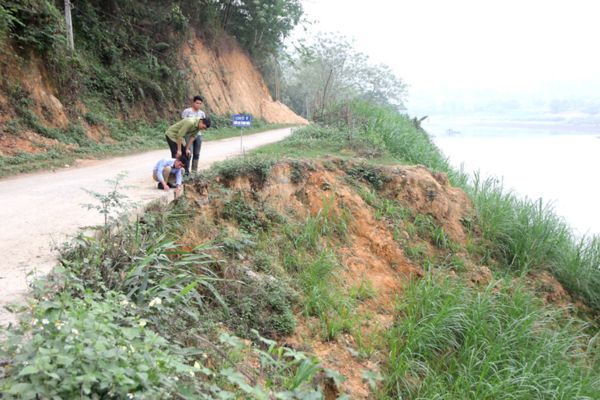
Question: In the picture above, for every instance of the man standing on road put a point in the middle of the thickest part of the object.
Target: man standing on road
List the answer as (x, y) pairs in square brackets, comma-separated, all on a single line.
[(195, 112), (185, 129), (167, 172)]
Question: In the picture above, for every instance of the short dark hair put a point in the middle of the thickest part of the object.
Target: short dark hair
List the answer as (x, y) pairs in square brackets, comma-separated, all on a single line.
[(206, 122), (183, 158), (196, 98)]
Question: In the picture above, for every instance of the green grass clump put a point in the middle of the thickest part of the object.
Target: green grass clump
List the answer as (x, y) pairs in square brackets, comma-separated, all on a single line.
[(255, 167), (457, 343), (525, 235), (375, 176)]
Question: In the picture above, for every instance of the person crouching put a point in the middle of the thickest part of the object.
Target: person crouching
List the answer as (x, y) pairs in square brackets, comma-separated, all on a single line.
[(169, 175)]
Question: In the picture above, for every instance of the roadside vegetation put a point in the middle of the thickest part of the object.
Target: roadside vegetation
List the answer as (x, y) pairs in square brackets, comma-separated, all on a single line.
[(229, 292), (117, 136), (125, 83)]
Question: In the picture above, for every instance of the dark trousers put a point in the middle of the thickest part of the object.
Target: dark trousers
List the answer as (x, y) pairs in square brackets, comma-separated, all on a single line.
[(172, 146), (197, 145)]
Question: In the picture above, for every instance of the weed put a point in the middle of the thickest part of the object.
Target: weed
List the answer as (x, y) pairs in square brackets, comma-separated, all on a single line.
[(237, 246), (112, 204), (363, 291), (326, 224), (375, 176), (262, 303), (298, 171), (453, 342), (254, 167), (52, 356), (416, 252)]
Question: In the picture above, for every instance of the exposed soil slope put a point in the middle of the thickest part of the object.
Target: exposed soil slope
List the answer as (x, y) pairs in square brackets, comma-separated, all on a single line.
[(223, 73), (230, 81), (370, 253)]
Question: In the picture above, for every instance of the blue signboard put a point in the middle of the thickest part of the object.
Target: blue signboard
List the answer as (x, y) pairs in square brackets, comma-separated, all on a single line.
[(242, 120)]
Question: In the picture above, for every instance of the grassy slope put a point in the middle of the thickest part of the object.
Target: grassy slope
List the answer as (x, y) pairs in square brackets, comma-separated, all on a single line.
[(448, 340)]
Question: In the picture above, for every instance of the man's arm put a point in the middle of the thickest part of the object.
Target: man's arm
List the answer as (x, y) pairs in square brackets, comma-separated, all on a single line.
[(183, 133), (159, 175), (179, 177), (178, 183)]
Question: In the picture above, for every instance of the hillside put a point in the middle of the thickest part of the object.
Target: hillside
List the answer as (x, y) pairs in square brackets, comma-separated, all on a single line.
[(344, 262), (127, 79), (225, 75)]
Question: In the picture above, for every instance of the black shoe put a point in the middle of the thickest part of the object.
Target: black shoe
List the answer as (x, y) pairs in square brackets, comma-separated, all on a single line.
[(171, 185), (160, 186)]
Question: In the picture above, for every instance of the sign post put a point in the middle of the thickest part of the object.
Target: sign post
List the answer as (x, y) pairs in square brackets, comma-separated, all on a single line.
[(242, 121)]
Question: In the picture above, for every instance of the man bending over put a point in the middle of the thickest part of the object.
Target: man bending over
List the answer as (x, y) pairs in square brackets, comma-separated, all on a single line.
[(185, 129), (167, 172)]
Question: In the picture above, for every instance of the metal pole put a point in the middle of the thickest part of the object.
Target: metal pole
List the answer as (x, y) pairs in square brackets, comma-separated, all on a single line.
[(242, 141), (69, 25)]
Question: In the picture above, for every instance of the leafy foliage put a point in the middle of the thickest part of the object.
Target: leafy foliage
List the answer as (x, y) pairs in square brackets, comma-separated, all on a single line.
[(89, 347), (329, 70), (261, 25), (127, 51)]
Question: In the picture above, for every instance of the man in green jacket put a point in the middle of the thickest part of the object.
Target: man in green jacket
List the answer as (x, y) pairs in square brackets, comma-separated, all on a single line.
[(185, 129)]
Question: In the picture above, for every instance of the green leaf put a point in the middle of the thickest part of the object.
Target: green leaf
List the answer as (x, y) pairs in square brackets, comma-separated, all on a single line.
[(28, 370)]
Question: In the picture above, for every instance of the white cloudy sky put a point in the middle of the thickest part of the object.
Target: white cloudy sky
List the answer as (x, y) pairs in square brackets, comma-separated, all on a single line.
[(441, 45)]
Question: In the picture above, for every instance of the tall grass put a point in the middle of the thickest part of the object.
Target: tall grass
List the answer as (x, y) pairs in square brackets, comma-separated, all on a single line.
[(522, 235), (452, 342), (526, 235)]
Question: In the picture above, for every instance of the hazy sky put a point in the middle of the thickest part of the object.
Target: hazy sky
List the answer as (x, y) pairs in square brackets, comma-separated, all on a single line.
[(440, 45)]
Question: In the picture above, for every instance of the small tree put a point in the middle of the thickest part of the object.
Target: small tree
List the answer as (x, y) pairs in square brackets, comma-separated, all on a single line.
[(329, 70)]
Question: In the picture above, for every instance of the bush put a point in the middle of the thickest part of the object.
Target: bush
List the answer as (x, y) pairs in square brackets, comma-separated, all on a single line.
[(92, 347), (255, 167), (263, 304)]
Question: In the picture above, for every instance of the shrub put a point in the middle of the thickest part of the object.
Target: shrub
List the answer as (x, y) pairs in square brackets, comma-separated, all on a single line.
[(255, 167), (92, 347), (261, 303)]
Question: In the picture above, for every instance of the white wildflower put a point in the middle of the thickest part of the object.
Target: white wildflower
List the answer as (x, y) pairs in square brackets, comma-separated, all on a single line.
[(143, 323), (75, 332), (34, 321), (124, 303), (45, 321), (197, 365), (130, 395), (58, 324), (155, 302)]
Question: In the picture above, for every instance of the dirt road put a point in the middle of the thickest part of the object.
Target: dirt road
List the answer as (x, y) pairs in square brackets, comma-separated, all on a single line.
[(41, 210)]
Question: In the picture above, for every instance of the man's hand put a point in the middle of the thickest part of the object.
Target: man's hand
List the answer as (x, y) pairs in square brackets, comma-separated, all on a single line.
[(178, 191), (178, 154), (188, 152), (165, 186)]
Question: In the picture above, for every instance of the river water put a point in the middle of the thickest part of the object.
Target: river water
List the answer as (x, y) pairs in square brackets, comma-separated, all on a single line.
[(555, 161)]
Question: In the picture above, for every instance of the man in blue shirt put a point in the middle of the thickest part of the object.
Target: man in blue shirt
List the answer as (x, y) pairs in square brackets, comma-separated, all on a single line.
[(168, 173)]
